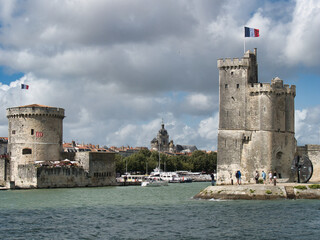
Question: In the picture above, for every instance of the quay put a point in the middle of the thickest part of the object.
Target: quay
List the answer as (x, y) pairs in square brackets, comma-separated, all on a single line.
[(261, 191)]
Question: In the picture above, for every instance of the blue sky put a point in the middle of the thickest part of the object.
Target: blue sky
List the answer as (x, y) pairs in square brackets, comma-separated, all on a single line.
[(7, 76), (118, 70)]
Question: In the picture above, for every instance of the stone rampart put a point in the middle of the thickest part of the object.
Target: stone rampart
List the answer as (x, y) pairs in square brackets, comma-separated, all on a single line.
[(2, 171), (57, 177), (27, 176)]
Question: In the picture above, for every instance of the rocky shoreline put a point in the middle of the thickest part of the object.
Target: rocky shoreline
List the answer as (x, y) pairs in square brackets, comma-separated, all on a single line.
[(261, 192)]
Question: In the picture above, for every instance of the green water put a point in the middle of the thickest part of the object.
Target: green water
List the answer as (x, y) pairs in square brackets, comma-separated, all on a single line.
[(135, 212)]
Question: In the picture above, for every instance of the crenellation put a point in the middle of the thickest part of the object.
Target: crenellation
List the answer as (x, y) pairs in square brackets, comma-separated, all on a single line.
[(267, 88), (234, 63)]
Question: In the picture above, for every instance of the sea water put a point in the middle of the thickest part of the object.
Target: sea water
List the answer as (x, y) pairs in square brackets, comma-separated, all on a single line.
[(135, 212)]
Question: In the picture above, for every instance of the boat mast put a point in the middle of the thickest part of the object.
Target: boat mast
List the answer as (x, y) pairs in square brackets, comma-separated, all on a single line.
[(159, 156)]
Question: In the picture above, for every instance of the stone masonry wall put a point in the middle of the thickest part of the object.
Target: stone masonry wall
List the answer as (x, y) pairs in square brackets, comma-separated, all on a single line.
[(96, 169), (2, 171), (313, 153), (27, 176)]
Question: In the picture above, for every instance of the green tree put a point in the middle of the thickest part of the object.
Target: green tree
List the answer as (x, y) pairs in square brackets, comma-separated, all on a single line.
[(120, 164)]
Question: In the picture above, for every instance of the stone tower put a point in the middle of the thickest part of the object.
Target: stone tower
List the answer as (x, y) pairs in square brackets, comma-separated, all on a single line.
[(256, 121), (35, 134)]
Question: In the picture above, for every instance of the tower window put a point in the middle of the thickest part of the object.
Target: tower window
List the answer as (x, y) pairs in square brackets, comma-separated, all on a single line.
[(13, 132), (231, 73), (26, 151), (226, 86), (32, 131), (238, 85)]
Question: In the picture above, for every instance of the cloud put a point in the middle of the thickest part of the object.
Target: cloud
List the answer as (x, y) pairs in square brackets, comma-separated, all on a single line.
[(307, 130), (118, 69), (302, 38)]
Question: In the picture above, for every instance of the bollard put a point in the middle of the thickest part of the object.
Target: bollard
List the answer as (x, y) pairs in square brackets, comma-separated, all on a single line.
[(274, 181)]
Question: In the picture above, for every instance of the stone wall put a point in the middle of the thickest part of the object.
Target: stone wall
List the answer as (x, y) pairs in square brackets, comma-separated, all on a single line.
[(94, 169), (27, 176), (70, 177), (313, 153), (2, 171)]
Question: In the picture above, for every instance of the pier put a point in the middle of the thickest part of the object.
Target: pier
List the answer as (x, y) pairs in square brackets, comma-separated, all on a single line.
[(261, 191)]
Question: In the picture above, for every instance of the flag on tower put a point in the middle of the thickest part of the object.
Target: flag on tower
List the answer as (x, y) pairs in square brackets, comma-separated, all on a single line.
[(24, 86), (251, 32)]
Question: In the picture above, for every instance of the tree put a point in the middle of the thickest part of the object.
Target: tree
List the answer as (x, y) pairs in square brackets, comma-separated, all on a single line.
[(199, 161), (120, 164)]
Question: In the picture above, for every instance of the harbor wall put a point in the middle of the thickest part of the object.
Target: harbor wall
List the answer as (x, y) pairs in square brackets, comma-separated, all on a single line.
[(313, 153), (2, 171), (70, 177), (260, 192)]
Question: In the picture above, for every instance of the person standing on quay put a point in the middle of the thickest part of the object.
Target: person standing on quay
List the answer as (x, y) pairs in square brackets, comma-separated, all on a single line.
[(275, 178), (213, 181), (238, 176), (256, 177), (270, 177), (264, 176)]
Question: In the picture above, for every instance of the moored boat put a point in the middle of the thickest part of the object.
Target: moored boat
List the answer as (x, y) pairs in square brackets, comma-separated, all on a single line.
[(154, 183)]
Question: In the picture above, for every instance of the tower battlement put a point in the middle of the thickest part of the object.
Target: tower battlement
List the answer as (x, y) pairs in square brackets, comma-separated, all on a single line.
[(275, 87), (35, 110), (234, 63)]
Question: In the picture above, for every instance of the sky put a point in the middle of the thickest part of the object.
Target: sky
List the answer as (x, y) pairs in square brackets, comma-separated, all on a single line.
[(119, 68)]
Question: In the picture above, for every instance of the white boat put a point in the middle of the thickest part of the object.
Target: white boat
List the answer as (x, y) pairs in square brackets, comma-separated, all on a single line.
[(171, 177), (131, 178), (154, 183)]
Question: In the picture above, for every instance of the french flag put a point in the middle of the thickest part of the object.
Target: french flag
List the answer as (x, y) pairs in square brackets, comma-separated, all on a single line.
[(24, 86), (251, 32)]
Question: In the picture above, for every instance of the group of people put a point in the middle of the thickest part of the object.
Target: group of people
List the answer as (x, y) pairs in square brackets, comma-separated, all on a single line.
[(272, 177)]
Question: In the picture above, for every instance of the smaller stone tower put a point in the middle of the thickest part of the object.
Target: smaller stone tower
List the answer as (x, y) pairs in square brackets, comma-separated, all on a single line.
[(35, 134)]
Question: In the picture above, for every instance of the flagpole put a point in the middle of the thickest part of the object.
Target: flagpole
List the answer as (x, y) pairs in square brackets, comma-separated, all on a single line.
[(244, 40)]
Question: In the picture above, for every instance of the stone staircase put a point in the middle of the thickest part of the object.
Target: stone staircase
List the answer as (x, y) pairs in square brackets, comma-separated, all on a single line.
[(290, 192)]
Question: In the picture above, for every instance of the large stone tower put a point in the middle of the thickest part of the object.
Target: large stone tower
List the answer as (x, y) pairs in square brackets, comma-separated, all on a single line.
[(256, 121), (35, 134)]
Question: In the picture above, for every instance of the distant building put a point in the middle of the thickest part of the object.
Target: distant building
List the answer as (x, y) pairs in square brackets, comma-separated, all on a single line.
[(162, 143)]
